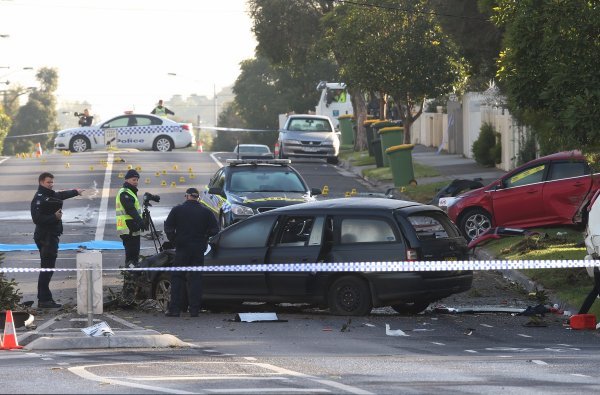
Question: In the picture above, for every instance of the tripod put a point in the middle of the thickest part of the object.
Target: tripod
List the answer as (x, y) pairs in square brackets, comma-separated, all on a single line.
[(150, 225)]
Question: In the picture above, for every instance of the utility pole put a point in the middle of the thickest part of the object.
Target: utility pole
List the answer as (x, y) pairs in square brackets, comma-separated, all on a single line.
[(216, 106)]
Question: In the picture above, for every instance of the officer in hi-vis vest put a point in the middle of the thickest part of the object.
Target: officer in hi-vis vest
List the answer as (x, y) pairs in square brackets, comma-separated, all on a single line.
[(161, 111), (129, 217)]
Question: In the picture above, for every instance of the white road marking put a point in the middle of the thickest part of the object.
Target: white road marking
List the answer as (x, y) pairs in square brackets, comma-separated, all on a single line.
[(487, 326), (438, 344), (104, 199), (538, 362), (471, 351), (282, 390), (4, 159), (250, 358), (523, 335), (579, 375)]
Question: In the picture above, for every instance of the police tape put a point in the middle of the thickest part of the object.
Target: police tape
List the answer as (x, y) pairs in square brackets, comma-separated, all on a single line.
[(389, 266)]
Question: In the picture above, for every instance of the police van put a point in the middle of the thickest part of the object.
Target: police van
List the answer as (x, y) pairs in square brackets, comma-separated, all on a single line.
[(141, 131)]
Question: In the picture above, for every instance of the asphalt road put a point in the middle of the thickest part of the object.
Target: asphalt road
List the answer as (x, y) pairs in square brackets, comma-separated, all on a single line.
[(310, 352)]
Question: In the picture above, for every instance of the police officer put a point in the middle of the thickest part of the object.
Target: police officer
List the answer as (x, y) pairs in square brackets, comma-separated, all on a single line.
[(188, 226), (161, 111), (129, 217), (46, 213)]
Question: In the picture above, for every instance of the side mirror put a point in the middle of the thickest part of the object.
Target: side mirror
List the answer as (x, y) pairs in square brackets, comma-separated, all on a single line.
[(315, 191), (216, 191)]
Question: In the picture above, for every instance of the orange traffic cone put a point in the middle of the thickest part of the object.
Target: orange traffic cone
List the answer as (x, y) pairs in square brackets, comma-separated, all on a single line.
[(39, 150), (10, 337), (200, 147), (276, 150)]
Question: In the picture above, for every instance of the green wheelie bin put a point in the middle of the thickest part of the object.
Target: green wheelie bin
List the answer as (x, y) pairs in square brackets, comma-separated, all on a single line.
[(347, 137), (377, 152), (390, 136), (369, 131), (400, 157)]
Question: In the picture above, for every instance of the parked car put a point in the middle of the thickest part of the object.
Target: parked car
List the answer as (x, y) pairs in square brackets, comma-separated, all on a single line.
[(309, 136), (336, 230), (253, 151), (141, 131), (245, 187), (552, 190)]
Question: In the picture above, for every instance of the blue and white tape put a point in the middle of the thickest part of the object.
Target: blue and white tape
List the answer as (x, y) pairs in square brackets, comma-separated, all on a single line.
[(390, 266)]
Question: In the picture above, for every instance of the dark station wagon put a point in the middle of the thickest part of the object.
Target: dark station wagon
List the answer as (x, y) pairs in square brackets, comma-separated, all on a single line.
[(337, 230)]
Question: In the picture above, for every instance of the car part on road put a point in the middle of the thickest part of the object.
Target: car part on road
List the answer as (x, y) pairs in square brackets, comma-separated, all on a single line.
[(410, 308)]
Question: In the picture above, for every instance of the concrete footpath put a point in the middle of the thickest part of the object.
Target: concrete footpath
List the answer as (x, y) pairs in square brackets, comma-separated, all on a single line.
[(62, 331)]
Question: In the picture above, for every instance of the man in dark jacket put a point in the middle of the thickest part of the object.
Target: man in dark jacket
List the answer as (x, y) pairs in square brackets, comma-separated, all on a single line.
[(46, 213), (129, 217), (188, 226)]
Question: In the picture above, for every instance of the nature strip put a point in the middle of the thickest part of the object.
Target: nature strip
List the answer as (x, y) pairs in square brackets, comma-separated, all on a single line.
[(390, 266)]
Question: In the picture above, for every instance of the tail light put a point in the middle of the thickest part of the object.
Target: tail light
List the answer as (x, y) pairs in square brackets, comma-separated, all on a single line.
[(186, 126), (412, 255)]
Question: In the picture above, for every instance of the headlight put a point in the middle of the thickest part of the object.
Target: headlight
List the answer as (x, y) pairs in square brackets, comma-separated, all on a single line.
[(291, 142), (241, 210)]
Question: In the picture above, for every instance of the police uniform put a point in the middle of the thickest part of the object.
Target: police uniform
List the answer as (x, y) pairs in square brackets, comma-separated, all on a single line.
[(188, 226), (162, 111), (48, 229), (129, 218)]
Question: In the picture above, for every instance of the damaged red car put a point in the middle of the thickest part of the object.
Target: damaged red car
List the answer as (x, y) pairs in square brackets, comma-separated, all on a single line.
[(551, 190)]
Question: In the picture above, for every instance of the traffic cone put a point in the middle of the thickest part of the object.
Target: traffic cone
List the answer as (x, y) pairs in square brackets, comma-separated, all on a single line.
[(39, 150), (276, 150), (200, 147), (10, 337)]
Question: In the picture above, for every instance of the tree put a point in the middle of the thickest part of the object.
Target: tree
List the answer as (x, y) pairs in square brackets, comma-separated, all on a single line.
[(398, 49), (38, 115), (548, 70), (5, 123), (467, 23)]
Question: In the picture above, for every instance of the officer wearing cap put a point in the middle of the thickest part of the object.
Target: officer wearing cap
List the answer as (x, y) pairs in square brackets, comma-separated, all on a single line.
[(129, 216), (188, 226)]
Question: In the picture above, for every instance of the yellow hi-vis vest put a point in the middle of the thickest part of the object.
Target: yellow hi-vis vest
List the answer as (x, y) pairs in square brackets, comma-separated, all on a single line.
[(122, 216), (160, 111)]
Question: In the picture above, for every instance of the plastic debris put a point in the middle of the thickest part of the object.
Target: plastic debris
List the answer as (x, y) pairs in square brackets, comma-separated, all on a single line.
[(394, 332)]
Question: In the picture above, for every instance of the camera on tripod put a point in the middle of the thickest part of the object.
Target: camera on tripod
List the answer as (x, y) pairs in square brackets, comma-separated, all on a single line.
[(79, 114), (148, 197)]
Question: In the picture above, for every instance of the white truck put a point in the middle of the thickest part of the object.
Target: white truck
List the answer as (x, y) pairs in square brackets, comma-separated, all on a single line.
[(333, 102)]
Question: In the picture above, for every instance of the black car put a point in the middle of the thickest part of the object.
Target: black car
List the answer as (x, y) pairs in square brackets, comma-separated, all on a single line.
[(336, 230), (245, 187)]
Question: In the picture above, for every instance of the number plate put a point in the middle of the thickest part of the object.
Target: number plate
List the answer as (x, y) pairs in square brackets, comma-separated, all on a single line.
[(311, 149)]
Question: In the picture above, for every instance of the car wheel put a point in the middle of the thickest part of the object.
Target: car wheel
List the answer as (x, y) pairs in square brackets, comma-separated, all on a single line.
[(163, 144), (162, 291), (333, 161), (349, 295), (474, 222), (79, 144), (410, 308)]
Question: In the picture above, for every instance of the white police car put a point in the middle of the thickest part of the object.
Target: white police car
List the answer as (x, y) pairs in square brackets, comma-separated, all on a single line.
[(141, 131)]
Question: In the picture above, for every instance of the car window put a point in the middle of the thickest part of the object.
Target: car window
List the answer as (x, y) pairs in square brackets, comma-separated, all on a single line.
[(253, 149), (431, 226), (256, 180), (366, 230), (525, 177), (561, 170), (144, 121), (119, 122), (250, 233), (300, 231), (309, 125), (215, 179)]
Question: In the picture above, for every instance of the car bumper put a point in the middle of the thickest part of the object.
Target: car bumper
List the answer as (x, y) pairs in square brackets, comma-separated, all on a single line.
[(406, 287), (61, 144), (310, 152)]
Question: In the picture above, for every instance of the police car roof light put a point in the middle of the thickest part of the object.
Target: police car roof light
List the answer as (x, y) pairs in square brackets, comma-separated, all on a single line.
[(234, 162)]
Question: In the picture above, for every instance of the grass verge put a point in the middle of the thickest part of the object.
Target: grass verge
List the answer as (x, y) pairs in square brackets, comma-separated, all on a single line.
[(569, 285)]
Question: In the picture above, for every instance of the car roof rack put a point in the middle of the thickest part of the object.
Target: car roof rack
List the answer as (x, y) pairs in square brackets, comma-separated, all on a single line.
[(235, 162)]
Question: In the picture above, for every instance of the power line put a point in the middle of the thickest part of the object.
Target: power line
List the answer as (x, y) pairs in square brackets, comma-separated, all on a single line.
[(407, 11)]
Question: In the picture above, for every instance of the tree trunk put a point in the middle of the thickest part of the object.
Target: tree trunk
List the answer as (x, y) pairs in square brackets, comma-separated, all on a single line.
[(360, 116)]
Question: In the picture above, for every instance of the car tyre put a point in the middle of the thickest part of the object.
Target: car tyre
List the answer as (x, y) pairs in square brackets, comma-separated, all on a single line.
[(163, 144), (162, 291), (474, 222), (333, 161), (349, 295), (412, 308), (79, 144)]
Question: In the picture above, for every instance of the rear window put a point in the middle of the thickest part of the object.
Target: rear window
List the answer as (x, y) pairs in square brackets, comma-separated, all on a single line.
[(429, 226), (309, 125)]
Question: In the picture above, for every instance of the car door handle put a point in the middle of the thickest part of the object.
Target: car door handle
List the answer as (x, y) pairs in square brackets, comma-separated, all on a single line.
[(532, 191)]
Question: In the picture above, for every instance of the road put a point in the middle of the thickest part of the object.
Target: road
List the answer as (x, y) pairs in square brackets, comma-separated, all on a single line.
[(310, 351)]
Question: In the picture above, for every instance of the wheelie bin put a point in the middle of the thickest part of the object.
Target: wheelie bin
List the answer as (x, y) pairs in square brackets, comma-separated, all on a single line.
[(390, 136), (347, 137), (377, 152), (369, 131), (400, 157)]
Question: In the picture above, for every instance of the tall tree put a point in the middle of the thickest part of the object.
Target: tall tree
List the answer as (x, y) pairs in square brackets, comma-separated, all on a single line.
[(38, 115), (549, 69), (5, 123), (395, 47)]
